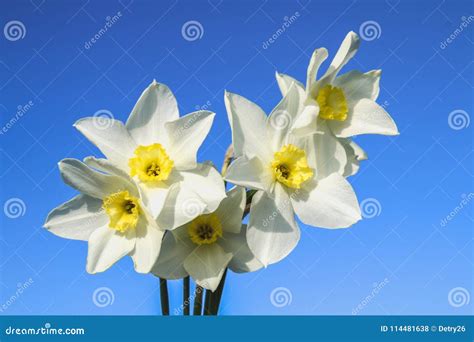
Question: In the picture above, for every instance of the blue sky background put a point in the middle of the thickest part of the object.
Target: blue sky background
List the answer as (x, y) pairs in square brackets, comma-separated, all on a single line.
[(416, 179)]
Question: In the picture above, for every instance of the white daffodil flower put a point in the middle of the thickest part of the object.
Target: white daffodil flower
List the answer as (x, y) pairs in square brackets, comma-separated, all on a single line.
[(204, 247), (292, 175), (158, 149), (109, 213), (343, 105)]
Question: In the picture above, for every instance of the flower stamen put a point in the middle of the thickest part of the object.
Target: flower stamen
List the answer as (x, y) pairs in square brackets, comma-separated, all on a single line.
[(150, 163), (332, 103), (123, 211), (290, 166), (205, 229)]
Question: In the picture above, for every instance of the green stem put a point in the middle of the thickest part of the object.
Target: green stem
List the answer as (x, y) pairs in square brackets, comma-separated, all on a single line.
[(207, 303), (165, 304), (198, 292), (217, 295), (186, 297)]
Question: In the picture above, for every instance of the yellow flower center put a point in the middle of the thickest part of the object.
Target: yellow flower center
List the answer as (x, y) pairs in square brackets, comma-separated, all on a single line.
[(290, 166), (123, 211), (332, 103), (150, 163), (205, 229)]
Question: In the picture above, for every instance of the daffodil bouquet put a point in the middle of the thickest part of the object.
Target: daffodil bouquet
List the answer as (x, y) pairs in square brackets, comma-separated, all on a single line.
[(152, 200)]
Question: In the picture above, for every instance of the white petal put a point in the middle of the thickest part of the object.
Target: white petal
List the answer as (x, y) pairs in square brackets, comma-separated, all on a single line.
[(77, 218), (325, 153), (355, 154), (317, 58), (156, 106), (231, 209), (92, 183), (357, 85), (243, 259), (186, 135), (155, 196), (106, 247), (306, 122), (206, 265), (199, 191), (346, 51), (272, 231), (147, 244), (247, 121), (285, 81), (249, 173), (170, 263), (280, 120), (110, 136), (327, 203), (366, 117), (104, 165)]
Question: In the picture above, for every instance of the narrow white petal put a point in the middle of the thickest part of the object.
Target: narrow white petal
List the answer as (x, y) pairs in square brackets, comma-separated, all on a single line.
[(110, 136), (243, 259), (231, 209), (247, 121), (346, 51), (170, 263), (77, 218), (355, 154), (272, 231), (104, 165), (89, 182), (251, 173), (317, 58), (147, 244), (325, 153), (357, 85), (285, 81), (366, 117), (280, 120), (186, 135), (306, 122), (206, 265), (106, 247), (156, 106), (327, 203)]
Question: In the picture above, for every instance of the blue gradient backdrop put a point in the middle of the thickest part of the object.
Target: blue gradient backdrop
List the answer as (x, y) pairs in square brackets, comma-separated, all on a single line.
[(418, 178)]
